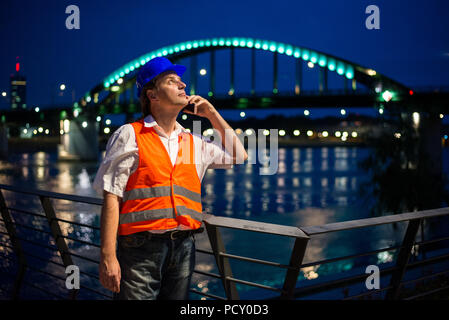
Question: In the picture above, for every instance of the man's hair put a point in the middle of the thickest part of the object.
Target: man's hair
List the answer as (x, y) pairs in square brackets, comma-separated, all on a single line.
[(145, 103)]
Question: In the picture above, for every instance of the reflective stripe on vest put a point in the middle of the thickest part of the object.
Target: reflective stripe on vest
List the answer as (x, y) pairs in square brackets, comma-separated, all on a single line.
[(159, 195)]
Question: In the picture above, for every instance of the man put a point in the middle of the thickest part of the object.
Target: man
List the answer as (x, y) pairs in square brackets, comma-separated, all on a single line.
[(151, 182)]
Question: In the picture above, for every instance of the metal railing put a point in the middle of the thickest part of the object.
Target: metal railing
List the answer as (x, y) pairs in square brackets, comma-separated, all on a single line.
[(213, 226)]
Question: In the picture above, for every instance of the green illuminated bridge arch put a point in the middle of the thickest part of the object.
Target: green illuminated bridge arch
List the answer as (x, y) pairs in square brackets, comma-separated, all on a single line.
[(123, 78)]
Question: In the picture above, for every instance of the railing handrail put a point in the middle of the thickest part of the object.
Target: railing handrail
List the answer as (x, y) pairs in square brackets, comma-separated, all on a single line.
[(371, 222), (213, 223), (54, 195)]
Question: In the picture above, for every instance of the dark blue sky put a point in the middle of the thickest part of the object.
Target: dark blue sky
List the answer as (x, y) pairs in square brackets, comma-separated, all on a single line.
[(411, 47)]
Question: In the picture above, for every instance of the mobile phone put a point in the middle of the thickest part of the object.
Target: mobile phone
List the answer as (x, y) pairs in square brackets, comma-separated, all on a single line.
[(190, 107)]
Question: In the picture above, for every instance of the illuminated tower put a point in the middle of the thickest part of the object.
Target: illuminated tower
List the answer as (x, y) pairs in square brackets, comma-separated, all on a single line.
[(18, 89)]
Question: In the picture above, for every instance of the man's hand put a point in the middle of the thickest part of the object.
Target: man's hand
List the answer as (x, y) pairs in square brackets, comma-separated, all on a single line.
[(109, 271), (202, 107)]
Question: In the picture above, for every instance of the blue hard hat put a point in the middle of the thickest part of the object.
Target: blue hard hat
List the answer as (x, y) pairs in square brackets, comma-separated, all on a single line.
[(153, 68)]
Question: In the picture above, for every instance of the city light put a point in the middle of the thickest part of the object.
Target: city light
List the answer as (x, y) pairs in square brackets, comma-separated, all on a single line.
[(242, 114), (354, 134), (98, 119), (61, 132), (282, 133), (62, 87), (397, 135), (40, 129), (25, 131), (296, 133), (371, 72), (108, 122), (4, 94), (306, 112), (203, 72), (84, 124), (47, 131), (309, 133), (381, 111), (387, 95), (343, 112), (415, 119), (338, 134), (441, 116), (310, 64), (266, 132), (325, 134), (248, 132), (106, 130), (36, 109), (184, 117), (238, 131), (66, 126), (120, 81)]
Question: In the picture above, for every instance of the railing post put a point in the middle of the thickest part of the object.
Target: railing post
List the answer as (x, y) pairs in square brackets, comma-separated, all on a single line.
[(57, 235), (223, 264), (402, 260), (6, 216), (291, 277)]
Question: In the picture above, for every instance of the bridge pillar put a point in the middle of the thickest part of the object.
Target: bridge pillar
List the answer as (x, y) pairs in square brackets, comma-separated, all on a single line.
[(430, 147), (298, 76), (253, 71), (80, 142), (3, 142), (231, 90), (212, 73), (275, 73), (193, 74)]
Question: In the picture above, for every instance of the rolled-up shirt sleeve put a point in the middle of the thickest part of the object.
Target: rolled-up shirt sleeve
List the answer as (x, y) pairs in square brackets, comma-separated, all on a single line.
[(120, 161)]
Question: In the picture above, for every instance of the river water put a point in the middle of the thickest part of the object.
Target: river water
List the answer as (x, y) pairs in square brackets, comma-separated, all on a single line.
[(313, 186)]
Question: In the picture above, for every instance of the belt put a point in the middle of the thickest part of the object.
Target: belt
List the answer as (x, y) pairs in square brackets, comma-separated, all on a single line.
[(176, 234)]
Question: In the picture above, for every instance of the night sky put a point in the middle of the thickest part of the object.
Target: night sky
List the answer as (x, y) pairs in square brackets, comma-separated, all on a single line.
[(412, 45)]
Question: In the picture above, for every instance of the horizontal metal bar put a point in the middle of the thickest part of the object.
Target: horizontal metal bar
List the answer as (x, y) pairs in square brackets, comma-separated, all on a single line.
[(43, 290), (253, 260), (42, 259), (81, 241), (31, 228), (209, 274), (81, 257), (369, 293), (78, 224), (54, 195), (427, 261), (321, 262), (370, 222), (253, 284), (205, 251), (426, 293), (37, 244), (210, 295), (403, 283), (27, 212), (254, 226), (301, 291), (422, 243)]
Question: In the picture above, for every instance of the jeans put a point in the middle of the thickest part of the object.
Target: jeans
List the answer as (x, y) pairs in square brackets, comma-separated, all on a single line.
[(155, 268)]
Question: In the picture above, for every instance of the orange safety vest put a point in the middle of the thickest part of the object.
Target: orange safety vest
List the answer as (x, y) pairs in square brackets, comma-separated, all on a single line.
[(158, 195)]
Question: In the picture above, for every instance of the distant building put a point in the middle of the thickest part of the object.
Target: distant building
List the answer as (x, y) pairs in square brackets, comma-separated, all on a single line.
[(18, 91)]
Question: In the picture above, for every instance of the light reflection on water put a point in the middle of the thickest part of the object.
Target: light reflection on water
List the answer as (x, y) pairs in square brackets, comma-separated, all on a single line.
[(313, 186)]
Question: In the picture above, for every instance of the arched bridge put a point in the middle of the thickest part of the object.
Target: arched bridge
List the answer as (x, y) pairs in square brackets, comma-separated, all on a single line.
[(118, 87)]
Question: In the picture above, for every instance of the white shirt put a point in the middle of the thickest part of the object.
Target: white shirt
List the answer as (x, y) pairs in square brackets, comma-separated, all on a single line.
[(122, 156)]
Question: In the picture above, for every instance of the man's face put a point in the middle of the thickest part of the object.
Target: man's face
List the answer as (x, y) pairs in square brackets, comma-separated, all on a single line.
[(170, 90)]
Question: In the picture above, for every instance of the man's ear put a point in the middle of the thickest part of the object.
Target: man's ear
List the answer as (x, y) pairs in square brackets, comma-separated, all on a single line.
[(151, 94)]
